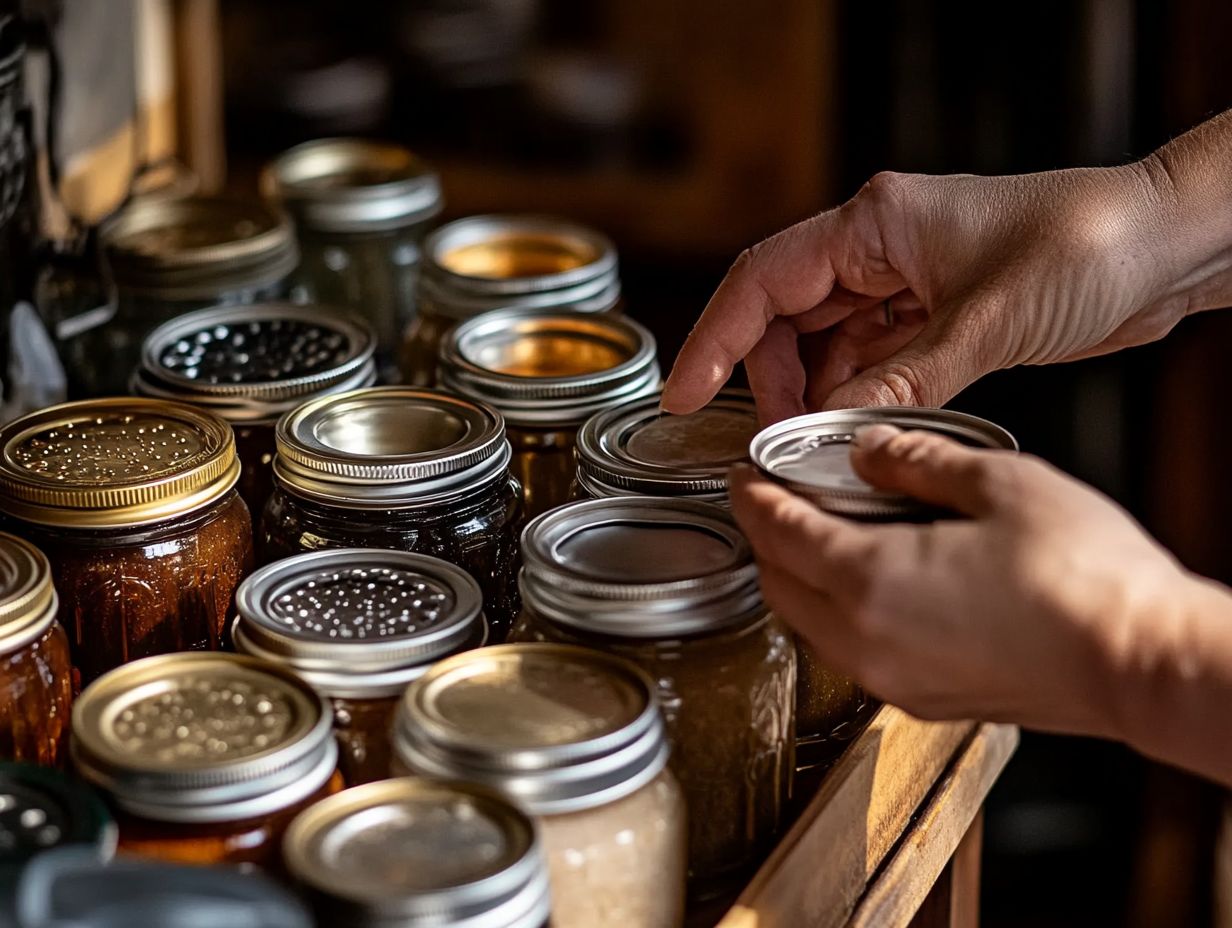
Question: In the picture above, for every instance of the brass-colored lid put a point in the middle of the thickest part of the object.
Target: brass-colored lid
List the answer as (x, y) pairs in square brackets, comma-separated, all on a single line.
[(114, 463), (27, 597)]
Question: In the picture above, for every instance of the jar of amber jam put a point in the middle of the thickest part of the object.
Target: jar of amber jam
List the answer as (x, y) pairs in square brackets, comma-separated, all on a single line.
[(419, 853), (36, 676), (671, 585), (547, 372), (133, 501), (169, 256), (359, 624), (251, 364), (405, 469), (636, 449), (576, 738), (361, 209), (205, 758), (481, 263)]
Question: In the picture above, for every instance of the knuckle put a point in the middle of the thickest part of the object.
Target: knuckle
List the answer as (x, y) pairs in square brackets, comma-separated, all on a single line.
[(887, 185), (904, 385)]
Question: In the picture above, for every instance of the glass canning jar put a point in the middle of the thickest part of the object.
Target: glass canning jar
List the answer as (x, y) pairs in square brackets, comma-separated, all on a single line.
[(361, 210), (133, 501), (169, 256), (359, 624), (249, 365), (481, 263), (419, 853), (36, 675), (671, 585), (576, 738), (635, 449), (401, 468), (546, 372), (205, 758)]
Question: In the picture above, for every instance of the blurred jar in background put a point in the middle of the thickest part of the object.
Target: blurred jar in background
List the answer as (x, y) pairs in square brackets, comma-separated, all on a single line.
[(361, 210), (491, 262)]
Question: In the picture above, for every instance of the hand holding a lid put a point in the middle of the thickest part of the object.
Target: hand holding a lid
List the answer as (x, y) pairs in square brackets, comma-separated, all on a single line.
[(1048, 606), (920, 285)]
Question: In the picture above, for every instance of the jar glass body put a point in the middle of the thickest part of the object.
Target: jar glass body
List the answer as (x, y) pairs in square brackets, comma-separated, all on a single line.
[(619, 865), (728, 699), (363, 728), (544, 464), (422, 343), (131, 593), (36, 692), (478, 532), (252, 842), (830, 709), (255, 446)]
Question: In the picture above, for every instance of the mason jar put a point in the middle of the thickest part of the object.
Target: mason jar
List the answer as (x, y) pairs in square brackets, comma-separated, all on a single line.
[(400, 468), (546, 372), (170, 256), (811, 456), (359, 625), (576, 738), (480, 263), (671, 586), (133, 501), (419, 853), (636, 449), (205, 758), (361, 210), (249, 365)]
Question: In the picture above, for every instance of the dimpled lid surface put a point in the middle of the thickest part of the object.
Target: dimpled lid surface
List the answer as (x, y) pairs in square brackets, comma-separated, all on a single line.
[(255, 352)]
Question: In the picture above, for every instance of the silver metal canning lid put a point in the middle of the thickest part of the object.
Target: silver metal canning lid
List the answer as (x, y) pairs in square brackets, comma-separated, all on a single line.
[(358, 623), (640, 567), (198, 247), (810, 455), (557, 728), (27, 597), (636, 450), (549, 368), (390, 446), (203, 737), (254, 363), (421, 853), (593, 296), (353, 185)]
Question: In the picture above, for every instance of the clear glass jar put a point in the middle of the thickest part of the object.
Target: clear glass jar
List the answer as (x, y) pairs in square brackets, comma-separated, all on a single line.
[(205, 758), (546, 372), (169, 256), (36, 676), (671, 586), (481, 263), (418, 853), (359, 625), (133, 502), (406, 469), (577, 739), (250, 365), (361, 211)]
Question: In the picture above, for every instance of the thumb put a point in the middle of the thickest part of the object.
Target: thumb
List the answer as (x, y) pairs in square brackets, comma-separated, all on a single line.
[(929, 467)]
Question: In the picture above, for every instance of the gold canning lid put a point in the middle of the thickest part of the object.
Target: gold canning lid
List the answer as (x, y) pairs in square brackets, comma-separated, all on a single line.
[(114, 463), (27, 596)]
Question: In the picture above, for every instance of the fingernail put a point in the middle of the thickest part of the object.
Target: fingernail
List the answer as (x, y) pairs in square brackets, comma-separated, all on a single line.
[(872, 437)]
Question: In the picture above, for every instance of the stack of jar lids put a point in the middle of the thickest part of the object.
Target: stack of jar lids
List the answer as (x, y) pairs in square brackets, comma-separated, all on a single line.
[(196, 247), (27, 596), (353, 185), (488, 262), (549, 367), (254, 363)]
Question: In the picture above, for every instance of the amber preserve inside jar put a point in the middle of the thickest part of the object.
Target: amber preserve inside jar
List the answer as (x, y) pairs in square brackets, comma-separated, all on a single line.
[(405, 469), (481, 263), (359, 624), (205, 758), (36, 676), (547, 372), (250, 365), (671, 585), (635, 449), (133, 501), (419, 853), (576, 738)]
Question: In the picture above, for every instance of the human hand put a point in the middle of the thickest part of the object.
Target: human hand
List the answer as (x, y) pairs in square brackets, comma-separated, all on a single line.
[(1034, 609)]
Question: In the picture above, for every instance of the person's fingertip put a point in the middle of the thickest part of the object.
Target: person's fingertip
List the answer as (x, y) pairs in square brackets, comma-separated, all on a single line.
[(869, 438)]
